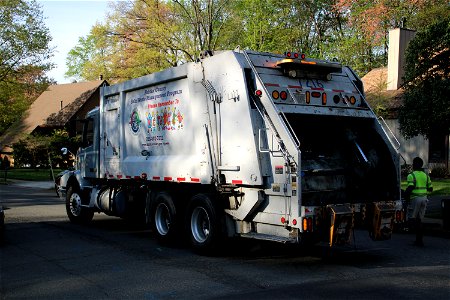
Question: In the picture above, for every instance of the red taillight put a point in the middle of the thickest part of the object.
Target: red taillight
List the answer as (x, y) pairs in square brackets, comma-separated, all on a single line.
[(289, 54), (316, 94), (294, 222), (283, 220), (283, 95), (258, 93)]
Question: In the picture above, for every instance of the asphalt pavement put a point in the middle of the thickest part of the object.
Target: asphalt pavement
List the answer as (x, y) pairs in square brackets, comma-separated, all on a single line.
[(33, 184), (47, 257)]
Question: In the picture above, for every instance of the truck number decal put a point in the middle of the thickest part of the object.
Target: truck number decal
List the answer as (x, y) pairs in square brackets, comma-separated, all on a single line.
[(314, 84)]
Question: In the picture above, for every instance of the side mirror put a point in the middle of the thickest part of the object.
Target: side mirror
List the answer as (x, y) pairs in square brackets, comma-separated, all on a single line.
[(64, 150)]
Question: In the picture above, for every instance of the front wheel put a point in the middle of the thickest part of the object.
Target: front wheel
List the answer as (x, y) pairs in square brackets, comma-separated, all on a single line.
[(75, 211), (203, 224)]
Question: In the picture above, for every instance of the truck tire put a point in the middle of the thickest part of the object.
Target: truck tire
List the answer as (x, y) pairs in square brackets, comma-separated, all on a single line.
[(77, 213), (203, 224), (164, 214)]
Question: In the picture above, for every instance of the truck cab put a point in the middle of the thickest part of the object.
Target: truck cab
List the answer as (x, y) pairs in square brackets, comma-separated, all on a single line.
[(88, 154)]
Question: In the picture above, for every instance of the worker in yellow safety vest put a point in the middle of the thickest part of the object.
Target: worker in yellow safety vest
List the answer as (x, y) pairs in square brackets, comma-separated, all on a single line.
[(419, 184)]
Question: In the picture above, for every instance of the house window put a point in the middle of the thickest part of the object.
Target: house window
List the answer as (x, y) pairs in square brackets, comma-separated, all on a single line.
[(438, 148)]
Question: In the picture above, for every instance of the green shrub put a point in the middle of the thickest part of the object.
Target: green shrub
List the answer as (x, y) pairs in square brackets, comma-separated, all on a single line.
[(38, 150), (439, 172)]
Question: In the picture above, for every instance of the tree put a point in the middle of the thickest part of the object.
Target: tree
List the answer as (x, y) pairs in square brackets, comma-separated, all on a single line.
[(24, 54), (89, 58), (201, 22), (18, 92), (137, 39), (35, 150), (144, 36), (141, 37), (24, 40), (427, 82)]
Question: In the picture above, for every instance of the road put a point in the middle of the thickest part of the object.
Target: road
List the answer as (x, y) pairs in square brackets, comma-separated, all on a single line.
[(46, 257)]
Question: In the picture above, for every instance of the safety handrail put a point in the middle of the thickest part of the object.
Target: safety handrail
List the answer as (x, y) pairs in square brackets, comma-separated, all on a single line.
[(392, 134)]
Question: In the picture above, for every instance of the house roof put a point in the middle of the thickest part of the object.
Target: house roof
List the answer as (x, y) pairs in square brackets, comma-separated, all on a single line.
[(375, 84), (59, 102), (62, 116)]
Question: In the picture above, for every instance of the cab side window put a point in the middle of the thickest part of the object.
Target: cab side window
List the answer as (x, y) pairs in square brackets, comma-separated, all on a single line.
[(88, 133)]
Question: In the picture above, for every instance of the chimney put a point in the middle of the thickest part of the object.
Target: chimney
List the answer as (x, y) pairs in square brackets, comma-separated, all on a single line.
[(100, 77), (399, 39)]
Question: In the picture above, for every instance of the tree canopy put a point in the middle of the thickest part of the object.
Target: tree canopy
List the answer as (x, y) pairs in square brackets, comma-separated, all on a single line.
[(144, 36), (24, 58), (426, 107)]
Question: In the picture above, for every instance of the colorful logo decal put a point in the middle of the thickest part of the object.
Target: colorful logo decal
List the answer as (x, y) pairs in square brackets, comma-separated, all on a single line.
[(135, 121), (164, 119)]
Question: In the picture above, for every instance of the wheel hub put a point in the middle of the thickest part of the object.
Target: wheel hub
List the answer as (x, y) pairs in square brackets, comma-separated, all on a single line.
[(75, 204), (162, 219), (200, 224)]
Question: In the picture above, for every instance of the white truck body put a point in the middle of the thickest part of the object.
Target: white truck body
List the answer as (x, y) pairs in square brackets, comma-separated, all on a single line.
[(279, 148)]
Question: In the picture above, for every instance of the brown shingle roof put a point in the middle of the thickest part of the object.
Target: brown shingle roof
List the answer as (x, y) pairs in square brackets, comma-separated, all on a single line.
[(375, 84), (61, 117), (68, 96)]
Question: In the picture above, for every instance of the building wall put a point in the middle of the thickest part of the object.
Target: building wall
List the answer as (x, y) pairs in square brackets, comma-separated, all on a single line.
[(409, 148), (417, 146)]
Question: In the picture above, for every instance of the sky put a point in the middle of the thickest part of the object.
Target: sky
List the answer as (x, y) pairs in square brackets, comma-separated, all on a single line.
[(68, 20)]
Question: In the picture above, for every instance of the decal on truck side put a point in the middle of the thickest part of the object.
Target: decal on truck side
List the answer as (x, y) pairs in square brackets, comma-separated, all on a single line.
[(164, 119), (135, 121), (157, 119)]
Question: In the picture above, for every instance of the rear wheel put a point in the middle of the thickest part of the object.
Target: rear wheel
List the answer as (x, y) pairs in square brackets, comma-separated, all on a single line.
[(75, 211), (164, 218), (203, 224)]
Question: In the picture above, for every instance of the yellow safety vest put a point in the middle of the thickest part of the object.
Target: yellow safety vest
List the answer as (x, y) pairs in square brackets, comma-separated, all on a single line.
[(420, 181)]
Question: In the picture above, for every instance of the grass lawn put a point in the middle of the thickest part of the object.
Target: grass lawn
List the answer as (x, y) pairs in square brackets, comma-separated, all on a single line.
[(28, 174), (440, 186)]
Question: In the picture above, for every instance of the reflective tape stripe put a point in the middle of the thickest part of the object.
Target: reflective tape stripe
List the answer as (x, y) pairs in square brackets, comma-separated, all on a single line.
[(158, 178)]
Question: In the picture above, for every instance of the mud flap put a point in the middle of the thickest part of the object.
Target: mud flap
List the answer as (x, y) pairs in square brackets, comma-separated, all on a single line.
[(341, 224), (382, 222)]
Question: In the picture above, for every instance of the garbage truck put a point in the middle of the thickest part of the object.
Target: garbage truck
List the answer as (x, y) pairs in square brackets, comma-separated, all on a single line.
[(277, 147)]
